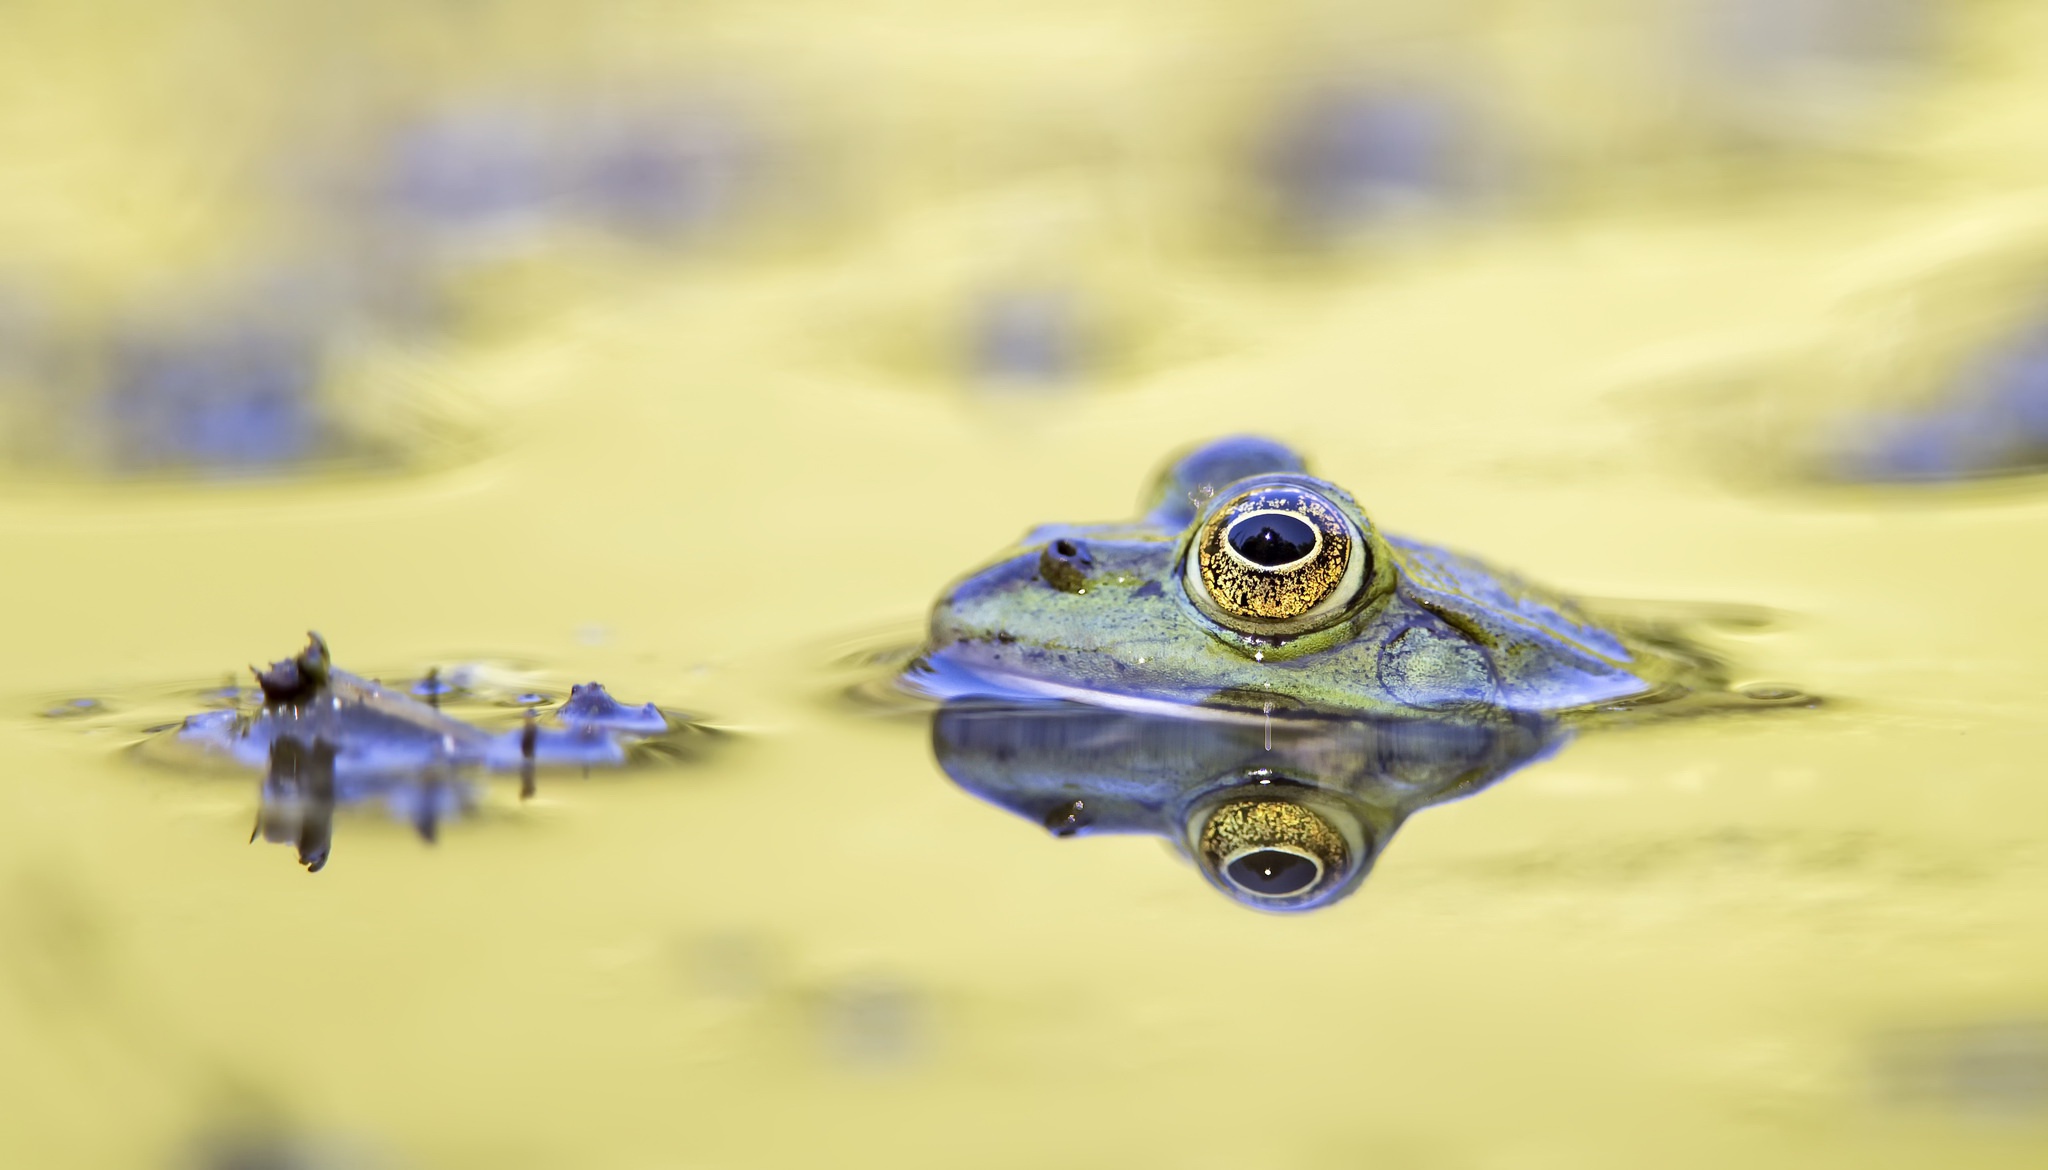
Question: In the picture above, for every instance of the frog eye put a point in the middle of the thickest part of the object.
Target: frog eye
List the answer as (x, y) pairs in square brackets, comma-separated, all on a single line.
[(1276, 559), (1274, 853), (1272, 873)]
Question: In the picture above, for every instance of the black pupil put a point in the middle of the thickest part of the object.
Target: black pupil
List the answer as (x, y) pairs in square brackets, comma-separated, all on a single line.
[(1272, 871), (1272, 539)]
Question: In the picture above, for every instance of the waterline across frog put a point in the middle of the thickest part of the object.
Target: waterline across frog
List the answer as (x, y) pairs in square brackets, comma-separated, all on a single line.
[(1251, 585)]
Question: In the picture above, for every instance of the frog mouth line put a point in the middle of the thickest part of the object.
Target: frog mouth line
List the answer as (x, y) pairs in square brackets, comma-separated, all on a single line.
[(947, 682)]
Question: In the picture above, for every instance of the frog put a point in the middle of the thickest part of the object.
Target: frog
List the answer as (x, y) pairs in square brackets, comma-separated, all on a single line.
[(1281, 815), (1250, 584)]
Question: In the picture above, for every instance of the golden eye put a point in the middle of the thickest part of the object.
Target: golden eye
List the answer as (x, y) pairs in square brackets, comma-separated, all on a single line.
[(1275, 559), (1272, 849)]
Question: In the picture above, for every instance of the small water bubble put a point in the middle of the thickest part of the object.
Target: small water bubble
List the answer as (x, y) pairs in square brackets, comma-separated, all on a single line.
[(1777, 693), (74, 708)]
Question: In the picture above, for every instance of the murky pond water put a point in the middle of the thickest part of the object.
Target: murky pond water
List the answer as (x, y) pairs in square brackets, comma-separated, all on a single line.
[(716, 417)]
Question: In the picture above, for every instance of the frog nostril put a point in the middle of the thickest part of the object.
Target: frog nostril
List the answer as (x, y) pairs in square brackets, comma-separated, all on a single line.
[(1069, 818), (1065, 565)]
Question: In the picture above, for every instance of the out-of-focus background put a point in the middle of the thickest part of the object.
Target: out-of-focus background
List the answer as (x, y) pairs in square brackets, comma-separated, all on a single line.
[(695, 347)]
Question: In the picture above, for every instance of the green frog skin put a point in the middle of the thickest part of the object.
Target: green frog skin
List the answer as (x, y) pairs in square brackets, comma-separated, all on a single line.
[(1249, 585)]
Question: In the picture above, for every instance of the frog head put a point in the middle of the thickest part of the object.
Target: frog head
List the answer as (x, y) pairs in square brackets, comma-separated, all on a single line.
[(1250, 583)]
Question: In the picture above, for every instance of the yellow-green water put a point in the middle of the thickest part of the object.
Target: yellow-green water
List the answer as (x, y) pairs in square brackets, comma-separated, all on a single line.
[(703, 475)]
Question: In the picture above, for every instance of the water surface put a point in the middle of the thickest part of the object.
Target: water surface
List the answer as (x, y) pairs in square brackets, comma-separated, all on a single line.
[(1816, 938)]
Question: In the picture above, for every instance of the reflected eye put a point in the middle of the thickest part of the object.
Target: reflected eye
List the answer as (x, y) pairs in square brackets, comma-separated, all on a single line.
[(1272, 849), (1273, 873), (1276, 559)]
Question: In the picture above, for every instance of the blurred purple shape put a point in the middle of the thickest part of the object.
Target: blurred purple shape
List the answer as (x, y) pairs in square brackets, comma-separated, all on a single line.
[(1346, 155), (235, 378), (224, 396), (1995, 421), (1025, 335), (471, 166), (491, 166), (650, 172)]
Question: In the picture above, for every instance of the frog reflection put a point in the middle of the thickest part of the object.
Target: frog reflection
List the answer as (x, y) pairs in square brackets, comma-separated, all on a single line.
[(329, 739), (1279, 814)]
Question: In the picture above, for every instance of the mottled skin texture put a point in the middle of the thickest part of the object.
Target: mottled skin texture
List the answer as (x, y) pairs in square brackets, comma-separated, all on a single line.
[(1432, 632)]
